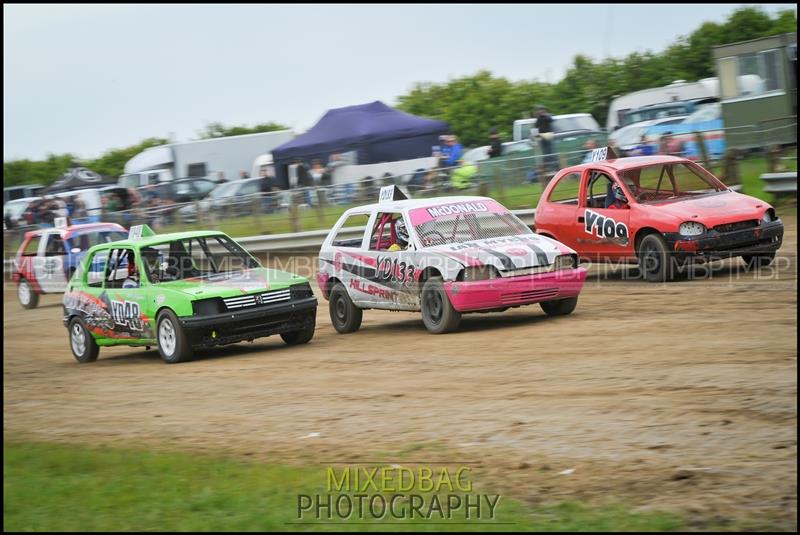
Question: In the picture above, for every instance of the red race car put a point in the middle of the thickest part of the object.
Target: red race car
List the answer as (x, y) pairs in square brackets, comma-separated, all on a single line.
[(659, 211)]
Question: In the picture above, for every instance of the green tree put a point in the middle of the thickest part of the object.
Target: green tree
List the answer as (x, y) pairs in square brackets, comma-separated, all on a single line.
[(472, 104), (217, 129)]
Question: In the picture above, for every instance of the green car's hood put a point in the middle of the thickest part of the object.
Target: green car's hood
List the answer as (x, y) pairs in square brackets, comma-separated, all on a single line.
[(234, 283)]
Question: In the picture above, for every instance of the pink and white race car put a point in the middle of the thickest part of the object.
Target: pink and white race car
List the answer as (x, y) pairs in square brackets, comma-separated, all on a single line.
[(442, 256)]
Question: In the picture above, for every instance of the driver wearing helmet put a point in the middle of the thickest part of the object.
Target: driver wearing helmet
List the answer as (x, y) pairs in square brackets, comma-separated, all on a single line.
[(401, 233), (150, 259), (132, 281), (620, 201)]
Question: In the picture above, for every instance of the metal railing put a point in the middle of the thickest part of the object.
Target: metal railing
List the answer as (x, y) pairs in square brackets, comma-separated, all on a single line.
[(780, 183)]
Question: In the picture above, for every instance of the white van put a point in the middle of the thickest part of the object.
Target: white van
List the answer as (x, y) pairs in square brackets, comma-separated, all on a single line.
[(145, 178)]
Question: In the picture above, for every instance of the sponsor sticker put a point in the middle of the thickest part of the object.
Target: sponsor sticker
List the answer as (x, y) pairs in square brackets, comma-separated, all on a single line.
[(457, 208), (605, 227)]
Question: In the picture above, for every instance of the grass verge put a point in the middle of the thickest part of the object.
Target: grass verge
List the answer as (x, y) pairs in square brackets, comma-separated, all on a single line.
[(59, 487)]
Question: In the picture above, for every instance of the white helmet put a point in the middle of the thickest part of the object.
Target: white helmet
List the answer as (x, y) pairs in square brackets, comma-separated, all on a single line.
[(401, 231)]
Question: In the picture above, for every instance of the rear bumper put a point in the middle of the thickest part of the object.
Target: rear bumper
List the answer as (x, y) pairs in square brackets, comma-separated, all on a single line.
[(515, 291), (232, 327), (763, 239)]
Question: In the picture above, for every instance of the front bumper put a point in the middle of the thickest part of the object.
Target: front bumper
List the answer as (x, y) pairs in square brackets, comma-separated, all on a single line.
[(232, 327), (515, 291), (763, 239)]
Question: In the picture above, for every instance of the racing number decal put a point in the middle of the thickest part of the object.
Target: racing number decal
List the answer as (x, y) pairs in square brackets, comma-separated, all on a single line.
[(605, 227), (126, 314), (390, 270)]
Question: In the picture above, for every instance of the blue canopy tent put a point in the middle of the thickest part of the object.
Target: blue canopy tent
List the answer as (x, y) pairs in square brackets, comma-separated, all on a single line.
[(377, 132)]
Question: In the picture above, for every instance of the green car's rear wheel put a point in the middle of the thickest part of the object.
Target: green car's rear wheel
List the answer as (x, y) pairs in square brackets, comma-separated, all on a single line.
[(83, 346), (173, 344)]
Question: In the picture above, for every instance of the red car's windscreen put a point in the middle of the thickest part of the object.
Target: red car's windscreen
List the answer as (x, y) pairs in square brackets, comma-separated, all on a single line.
[(668, 181)]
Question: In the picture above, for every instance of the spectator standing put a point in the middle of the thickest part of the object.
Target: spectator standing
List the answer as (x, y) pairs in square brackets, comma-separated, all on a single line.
[(268, 189), (79, 209), (317, 172), (221, 177), (345, 192), (454, 152), (462, 177), (645, 148), (496, 146), (544, 124), (589, 146), (674, 146)]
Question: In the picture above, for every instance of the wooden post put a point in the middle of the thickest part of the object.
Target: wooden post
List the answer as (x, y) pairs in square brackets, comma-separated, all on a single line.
[(701, 147), (543, 172), (257, 211), (321, 201), (498, 181), (294, 212), (774, 159), (200, 216), (730, 169)]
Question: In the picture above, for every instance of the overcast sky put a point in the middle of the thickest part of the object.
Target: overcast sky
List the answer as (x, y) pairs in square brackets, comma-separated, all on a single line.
[(87, 78)]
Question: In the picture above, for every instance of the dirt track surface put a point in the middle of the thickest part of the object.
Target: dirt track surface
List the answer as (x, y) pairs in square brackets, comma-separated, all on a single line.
[(679, 396)]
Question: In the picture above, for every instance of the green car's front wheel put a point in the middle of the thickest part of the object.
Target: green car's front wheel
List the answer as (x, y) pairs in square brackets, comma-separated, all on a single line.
[(83, 346), (173, 344)]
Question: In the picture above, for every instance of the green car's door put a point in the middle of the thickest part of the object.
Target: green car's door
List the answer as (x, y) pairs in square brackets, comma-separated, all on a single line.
[(125, 295), (85, 296)]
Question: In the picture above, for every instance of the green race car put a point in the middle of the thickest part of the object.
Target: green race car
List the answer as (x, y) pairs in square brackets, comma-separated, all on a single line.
[(179, 292)]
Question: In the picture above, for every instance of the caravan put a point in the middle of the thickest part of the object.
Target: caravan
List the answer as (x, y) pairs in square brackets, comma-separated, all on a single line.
[(679, 90)]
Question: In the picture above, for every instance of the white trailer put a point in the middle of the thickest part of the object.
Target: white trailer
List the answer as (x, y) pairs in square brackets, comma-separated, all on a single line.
[(206, 157), (677, 90)]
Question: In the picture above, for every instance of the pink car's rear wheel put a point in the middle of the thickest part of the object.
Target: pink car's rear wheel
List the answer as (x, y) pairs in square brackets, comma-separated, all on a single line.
[(345, 316)]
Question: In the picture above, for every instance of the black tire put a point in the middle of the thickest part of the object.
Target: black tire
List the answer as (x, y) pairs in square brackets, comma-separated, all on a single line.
[(303, 336), (559, 307), (25, 291), (759, 261), (83, 346), (438, 313), (345, 316), (656, 262), (173, 344)]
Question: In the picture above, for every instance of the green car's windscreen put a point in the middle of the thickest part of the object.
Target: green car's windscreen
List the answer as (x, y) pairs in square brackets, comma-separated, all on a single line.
[(194, 257)]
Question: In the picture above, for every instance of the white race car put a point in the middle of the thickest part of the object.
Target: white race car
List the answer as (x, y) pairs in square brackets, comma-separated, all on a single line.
[(443, 256)]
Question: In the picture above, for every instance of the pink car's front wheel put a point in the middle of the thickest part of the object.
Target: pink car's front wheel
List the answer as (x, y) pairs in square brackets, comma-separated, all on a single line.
[(438, 313)]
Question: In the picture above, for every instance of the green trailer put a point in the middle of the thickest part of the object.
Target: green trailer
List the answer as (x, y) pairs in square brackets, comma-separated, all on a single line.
[(758, 91)]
